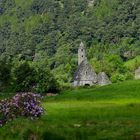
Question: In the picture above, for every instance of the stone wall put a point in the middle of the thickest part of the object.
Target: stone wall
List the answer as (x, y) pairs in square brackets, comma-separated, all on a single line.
[(81, 54), (137, 73), (103, 79), (83, 83)]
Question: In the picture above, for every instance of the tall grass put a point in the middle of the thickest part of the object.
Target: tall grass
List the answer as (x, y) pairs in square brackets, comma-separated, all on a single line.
[(102, 113)]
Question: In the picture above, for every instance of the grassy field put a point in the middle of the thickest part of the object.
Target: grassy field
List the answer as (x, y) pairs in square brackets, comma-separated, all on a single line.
[(102, 113)]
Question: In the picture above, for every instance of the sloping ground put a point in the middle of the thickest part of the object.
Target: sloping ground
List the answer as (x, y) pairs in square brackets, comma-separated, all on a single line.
[(101, 113)]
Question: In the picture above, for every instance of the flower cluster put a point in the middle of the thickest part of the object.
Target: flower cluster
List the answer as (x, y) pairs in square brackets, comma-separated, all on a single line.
[(22, 104)]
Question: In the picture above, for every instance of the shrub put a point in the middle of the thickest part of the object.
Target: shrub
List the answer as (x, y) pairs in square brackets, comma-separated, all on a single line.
[(113, 63), (129, 75), (35, 77), (117, 77), (25, 77), (5, 74), (22, 104), (46, 82)]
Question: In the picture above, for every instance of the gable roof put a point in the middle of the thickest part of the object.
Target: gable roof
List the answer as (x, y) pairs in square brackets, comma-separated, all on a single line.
[(85, 72)]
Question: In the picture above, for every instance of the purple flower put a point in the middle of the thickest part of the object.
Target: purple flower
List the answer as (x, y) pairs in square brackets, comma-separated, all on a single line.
[(22, 104)]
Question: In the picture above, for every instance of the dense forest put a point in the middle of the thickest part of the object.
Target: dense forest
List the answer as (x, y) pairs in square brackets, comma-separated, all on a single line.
[(39, 40)]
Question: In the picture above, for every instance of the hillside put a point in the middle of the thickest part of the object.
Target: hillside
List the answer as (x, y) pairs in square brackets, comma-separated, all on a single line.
[(51, 30), (109, 112), (39, 41)]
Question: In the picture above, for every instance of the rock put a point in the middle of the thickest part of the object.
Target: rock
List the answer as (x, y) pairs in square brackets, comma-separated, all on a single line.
[(128, 54), (51, 94), (91, 3), (77, 125), (137, 73), (103, 79)]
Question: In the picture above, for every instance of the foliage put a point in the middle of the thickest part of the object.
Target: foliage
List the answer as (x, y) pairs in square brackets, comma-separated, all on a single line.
[(114, 66), (117, 77), (5, 74), (24, 77), (57, 27), (114, 63), (133, 64), (33, 76), (46, 82), (22, 104)]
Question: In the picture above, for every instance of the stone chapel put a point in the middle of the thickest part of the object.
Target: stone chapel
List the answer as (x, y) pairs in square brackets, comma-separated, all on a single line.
[(85, 74)]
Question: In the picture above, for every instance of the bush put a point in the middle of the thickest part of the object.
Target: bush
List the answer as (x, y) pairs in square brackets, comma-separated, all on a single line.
[(117, 77), (33, 77), (46, 82), (114, 63), (129, 76), (5, 74), (25, 77), (22, 104)]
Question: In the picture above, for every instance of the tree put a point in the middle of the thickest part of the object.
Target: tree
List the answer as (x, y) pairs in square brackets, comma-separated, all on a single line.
[(25, 77), (5, 74)]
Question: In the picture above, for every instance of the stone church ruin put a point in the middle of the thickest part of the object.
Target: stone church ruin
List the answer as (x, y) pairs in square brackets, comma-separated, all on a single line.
[(85, 74)]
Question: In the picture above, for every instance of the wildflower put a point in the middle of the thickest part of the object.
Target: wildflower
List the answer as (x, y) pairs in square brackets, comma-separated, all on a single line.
[(22, 104)]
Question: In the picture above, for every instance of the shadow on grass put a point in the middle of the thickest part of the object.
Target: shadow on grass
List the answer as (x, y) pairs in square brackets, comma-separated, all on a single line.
[(51, 136), (31, 135)]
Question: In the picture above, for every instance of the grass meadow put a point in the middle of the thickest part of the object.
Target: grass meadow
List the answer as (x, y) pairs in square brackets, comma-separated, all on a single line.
[(92, 113)]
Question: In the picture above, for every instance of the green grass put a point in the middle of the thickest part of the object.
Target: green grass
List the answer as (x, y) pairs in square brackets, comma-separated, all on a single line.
[(102, 113)]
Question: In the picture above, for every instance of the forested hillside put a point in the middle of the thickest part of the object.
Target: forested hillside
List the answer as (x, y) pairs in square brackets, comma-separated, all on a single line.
[(44, 35)]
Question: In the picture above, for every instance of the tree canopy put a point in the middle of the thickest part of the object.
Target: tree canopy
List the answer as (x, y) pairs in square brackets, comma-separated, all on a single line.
[(56, 27)]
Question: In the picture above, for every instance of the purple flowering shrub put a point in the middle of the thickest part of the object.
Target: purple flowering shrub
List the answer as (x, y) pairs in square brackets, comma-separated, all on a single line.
[(22, 104)]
